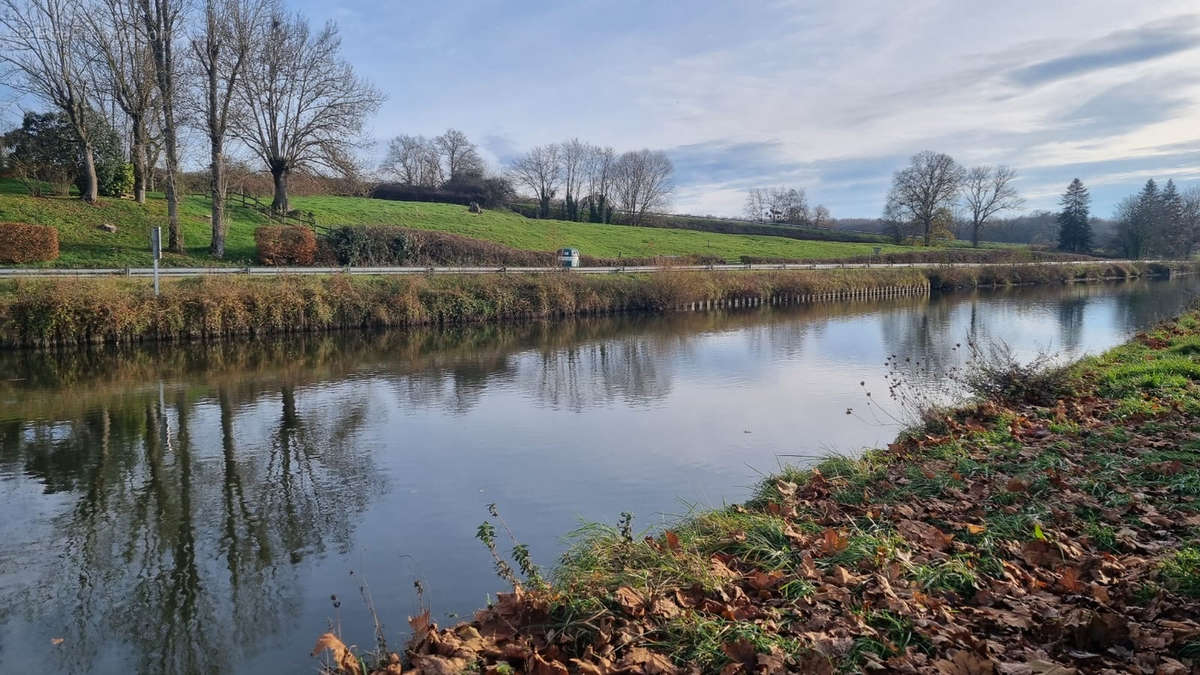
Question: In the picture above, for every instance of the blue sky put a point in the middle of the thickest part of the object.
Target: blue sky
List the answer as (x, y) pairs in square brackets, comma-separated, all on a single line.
[(828, 96)]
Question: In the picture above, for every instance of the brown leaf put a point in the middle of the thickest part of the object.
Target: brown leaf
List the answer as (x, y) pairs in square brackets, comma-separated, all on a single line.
[(1039, 553), (761, 581), (343, 659), (631, 601), (965, 663), (540, 666), (1016, 485), (975, 529), (1069, 578), (924, 533), (432, 664), (56, 641), (672, 541), (651, 663), (833, 542)]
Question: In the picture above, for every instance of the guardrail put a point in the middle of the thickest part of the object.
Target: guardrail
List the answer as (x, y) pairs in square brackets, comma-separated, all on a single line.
[(21, 272)]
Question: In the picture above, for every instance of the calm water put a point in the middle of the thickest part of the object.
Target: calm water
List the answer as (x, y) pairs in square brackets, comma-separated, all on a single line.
[(192, 508)]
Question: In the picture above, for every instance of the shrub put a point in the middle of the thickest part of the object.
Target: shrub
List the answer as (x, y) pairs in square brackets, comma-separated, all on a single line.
[(286, 245), (995, 373), (389, 245), (368, 245), (22, 243)]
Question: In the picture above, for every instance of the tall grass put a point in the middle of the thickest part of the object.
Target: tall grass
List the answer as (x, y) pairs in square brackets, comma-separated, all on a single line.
[(47, 312)]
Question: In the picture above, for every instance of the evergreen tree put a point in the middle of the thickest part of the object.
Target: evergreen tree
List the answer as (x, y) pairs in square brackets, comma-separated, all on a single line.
[(1074, 230), (1174, 240)]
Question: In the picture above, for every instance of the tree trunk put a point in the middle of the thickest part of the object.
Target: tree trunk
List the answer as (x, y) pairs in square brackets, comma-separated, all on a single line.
[(279, 172), (90, 193), (216, 185), (138, 152), (976, 226)]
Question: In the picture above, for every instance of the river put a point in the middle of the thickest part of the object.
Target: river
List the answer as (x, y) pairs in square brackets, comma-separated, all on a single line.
[(194, 508)]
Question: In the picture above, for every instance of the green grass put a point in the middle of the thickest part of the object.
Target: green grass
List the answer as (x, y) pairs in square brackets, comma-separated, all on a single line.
[(82, 244)]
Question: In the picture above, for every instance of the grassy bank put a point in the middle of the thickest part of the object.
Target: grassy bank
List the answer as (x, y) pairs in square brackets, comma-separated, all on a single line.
[(1050, 527), (47, 312), (84, 245)]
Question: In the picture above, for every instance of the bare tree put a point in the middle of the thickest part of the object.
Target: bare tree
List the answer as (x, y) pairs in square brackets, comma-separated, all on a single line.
[(462, 158), (821, 217), (125, 73), (159, 19), (598, 165), (42, 45), (986, 192), (220, 52), (756, 205), (574, 154), (929, 183), (304, 105), (540, 170), (643, 182)]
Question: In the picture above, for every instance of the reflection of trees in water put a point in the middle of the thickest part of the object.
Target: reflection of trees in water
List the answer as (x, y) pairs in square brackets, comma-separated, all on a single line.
[(183, 554)]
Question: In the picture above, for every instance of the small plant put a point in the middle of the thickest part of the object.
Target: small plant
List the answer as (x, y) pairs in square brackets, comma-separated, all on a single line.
[(995, 373), (1181, 571), (486, 533)]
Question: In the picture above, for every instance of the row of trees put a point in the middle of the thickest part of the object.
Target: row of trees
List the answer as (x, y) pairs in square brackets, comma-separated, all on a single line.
[(1159, 222), (586, 181), (924, 194), (787, 206), (594, 181), (431, 162), (241, 71)]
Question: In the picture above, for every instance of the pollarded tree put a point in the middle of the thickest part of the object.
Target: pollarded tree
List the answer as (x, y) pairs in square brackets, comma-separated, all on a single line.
[(42, 43), (304, 107), (1074, 229), (929, 183), (988, 191)]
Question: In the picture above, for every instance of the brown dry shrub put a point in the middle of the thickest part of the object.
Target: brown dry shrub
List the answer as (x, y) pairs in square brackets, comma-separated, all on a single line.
[(24, 243), (286, 245)]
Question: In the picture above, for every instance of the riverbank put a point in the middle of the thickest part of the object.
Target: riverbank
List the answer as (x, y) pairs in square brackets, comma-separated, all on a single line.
[(1051, 527), (57, 312)]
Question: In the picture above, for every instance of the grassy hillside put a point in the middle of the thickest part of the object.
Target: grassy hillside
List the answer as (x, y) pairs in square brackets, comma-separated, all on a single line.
[(83, 244)]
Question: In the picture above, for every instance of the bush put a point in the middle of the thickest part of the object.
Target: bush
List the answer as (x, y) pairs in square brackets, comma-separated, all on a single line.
[(368, 245), (286, 245), (376, 245), (995, 373), (22, 243)]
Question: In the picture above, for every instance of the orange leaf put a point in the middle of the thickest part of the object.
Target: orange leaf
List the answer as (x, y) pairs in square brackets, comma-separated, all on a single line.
[(833, 542), (342, 657), (976, 529), (672, 541)]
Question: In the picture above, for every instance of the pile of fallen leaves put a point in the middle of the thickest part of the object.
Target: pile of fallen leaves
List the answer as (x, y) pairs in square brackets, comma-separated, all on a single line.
[(1013, 540)]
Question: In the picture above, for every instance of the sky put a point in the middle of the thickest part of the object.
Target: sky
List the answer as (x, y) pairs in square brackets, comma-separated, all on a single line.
[(829, 96), (832, 97)]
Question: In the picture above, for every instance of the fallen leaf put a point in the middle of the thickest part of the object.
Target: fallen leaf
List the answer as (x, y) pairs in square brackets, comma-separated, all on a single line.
[(342, 657)]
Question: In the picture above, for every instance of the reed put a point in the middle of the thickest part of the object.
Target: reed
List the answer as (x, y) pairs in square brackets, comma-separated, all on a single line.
[(53, 312)]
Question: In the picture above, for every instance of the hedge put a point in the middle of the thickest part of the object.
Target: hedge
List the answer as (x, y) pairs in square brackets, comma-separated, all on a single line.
[(23, 243), (286, 245)]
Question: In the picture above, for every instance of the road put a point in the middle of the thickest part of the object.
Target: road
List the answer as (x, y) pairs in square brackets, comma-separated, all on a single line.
[(17, 272)]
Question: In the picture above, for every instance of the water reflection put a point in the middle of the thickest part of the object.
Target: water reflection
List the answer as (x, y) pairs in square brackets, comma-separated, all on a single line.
[(188, 508)]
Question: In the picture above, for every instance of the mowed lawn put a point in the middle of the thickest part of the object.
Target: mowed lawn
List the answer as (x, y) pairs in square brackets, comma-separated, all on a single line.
[(83, 244)]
